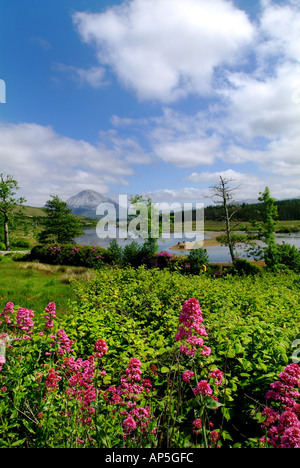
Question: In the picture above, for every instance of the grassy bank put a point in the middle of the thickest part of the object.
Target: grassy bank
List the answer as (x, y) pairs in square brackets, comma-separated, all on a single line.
[(32, 284)]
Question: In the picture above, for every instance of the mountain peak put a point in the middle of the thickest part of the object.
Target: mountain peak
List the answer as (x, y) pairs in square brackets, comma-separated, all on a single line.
[(85, 202)]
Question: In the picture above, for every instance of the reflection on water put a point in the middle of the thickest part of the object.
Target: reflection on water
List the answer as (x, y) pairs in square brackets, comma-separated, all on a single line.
[(218, 253)]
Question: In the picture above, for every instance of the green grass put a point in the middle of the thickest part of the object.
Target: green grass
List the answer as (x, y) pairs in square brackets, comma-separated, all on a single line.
[(34, 285)]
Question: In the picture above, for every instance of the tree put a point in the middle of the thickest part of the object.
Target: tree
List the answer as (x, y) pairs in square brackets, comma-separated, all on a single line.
[(223, 192), (8, 202), (268, 226), (60, 225), (147, 230)]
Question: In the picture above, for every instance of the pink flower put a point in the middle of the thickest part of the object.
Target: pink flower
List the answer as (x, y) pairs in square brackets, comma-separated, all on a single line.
[(218, 375), (100, 348), (291, 438), (197, 425), (202, 388), (24, 319), (65, 343), (214, 436), (286, 432), (50, 309), (2, 361), (191, 329), (7, 311), (52, 380), (129, 424), (187, 376)]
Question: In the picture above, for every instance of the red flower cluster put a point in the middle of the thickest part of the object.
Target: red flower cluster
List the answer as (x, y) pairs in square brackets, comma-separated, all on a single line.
[(191, 329), (283, 423), (127, 394)]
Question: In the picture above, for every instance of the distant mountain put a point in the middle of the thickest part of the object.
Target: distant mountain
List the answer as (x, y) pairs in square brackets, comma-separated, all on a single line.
[(85, 203)]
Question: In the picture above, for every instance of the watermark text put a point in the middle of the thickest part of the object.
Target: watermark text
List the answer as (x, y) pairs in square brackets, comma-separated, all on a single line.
[(2, 92)]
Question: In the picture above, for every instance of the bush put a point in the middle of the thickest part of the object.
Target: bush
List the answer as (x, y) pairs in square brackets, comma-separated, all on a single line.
[(197, 258), (69, 254), (114, 253), (244, 267), (289, 256), (21, 243)]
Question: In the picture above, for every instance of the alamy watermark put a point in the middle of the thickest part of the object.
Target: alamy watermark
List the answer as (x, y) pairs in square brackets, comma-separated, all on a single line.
[(155, 220), (2, 92), (296, 353)]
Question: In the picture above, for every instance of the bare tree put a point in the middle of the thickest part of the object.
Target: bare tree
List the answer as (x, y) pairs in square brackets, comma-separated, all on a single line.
[(224, 195)]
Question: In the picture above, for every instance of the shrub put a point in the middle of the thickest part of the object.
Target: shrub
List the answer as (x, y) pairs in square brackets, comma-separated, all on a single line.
[(197, 258), (69, 254), (244, 267), (289, 256), (22, 243), (114, 253)]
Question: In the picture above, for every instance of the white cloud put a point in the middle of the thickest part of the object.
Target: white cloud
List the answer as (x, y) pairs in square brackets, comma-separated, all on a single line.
[(280, 23), (167, 49), (188, 152), (46, 163), (94, 76)]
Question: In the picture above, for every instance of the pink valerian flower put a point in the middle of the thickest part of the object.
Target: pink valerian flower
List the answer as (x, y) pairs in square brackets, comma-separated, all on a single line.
[(100, 349), (291, 375), (51, 314), (80, 375), (217, 375), (129, 424), (187, 376), (2, 361), (214, 436), (190, 330), (24, 319), (65, 344), (127, 394), (202, 388), (291, 438), (52, 380), (6, 314), (133, 371), (270, 416), (284, 428), (197, 425)]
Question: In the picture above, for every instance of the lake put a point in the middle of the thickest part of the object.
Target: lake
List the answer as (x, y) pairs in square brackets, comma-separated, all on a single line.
[(217, 254)]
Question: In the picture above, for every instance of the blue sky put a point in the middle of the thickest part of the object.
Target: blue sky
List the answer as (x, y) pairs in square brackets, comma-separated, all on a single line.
[(156, 97)]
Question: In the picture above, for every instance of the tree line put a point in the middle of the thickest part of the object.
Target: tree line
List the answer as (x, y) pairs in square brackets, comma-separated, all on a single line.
[(287, 210)]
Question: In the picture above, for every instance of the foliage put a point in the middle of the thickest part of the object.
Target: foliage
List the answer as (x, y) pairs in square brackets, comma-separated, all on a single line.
[(134, 255), (243, 267), (287, 256), (21, 243), (8, 202), (250, 322), (288, 210), (69, 254), (60, 225)]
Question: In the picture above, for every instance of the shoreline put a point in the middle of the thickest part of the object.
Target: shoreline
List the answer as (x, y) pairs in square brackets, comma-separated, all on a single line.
[(211, 241)]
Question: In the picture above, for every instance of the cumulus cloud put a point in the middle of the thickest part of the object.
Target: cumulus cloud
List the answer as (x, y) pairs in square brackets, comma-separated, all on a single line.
[(167, 49), (46, 163)]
